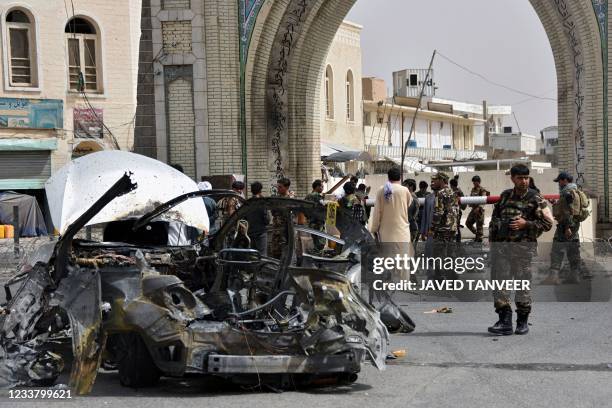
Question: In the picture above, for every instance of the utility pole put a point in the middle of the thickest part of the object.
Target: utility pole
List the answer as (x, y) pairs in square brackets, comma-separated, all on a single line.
[(517, 124), (402, 138), (485, 116), (404, 143)]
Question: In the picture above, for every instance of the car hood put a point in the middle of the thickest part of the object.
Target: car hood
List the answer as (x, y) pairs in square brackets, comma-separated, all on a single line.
[(80, 183)]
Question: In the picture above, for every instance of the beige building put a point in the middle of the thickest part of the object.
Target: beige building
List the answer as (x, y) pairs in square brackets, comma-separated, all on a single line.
[(68, 84), (341, 113), (438, 133)]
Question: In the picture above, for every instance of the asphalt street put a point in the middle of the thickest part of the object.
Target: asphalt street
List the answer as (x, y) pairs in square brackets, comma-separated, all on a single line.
[(565, 361)]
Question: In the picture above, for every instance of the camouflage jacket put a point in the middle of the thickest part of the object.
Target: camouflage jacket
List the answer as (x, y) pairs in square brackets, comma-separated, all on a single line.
[(531, 206), (478, 192), (445, 211), (280, 217), (227, 206), (314, 197), (562, 210)]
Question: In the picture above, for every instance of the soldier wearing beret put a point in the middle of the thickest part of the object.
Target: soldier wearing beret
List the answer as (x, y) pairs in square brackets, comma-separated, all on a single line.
[(519, 218), (566, 240)]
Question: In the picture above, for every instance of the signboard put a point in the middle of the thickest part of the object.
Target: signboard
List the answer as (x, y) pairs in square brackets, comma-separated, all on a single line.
[(31, 113), (88, 123)]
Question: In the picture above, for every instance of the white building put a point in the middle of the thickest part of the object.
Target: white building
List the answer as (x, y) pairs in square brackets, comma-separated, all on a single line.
[(409, 82), (68, 81), (515, 141), (496, 116), (341, 113), (550, 139)]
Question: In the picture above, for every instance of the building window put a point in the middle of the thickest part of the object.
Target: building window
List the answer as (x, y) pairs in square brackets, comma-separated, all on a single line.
[(413, 80), (84, 73), (21, 49), (329, 93), (350, 97)]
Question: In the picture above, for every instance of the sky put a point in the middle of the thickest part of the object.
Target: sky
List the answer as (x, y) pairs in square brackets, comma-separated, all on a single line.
[(502, 40)]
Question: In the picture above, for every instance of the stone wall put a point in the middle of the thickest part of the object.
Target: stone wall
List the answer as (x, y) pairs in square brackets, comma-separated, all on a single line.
[(181, 125), (144, 130)]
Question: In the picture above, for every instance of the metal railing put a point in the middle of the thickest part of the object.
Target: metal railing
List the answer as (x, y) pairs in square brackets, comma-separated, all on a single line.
[(426, 153)]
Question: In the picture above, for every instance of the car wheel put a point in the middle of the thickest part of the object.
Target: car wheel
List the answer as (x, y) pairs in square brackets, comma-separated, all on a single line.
[(136, 366)]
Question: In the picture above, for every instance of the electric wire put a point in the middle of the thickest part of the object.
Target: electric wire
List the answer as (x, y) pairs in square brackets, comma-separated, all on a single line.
[(489, 81)]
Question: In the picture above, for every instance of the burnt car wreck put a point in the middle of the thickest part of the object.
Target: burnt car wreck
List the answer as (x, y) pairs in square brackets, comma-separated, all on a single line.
[(213, 307)]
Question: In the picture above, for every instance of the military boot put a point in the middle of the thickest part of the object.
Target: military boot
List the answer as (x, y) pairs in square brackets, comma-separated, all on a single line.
[(503, 327), (522, 327)]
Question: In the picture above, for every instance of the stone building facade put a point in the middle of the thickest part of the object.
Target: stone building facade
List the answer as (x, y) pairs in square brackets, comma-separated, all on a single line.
[(341, 112), (189, 93), (68, 84), (257, 74)]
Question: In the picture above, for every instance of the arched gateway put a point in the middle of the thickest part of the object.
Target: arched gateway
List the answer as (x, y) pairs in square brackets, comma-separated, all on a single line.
[(253, 70), (283, 48)]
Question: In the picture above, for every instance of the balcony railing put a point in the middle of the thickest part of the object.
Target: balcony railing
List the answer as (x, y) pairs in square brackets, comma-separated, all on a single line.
[(426, 153)]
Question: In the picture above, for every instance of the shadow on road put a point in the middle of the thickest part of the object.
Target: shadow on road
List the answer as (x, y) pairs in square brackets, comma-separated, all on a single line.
[(107, 384)]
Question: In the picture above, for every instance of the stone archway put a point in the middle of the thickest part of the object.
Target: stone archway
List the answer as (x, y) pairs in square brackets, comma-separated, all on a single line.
[(289, 40)]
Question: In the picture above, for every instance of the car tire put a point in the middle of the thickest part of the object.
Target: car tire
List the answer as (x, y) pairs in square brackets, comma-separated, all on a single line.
[(136, 366)]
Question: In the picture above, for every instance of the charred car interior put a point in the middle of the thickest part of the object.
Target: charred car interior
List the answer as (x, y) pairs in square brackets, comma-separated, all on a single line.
[(213, 307)]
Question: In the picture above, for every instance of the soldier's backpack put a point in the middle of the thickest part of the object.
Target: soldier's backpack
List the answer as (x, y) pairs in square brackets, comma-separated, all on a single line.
[(579, 208)]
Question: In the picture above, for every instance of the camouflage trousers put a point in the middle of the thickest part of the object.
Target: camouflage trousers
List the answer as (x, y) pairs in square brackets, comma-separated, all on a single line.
[(565, 246), (512, 261), (443, 246), (476, 216), (278, 238)]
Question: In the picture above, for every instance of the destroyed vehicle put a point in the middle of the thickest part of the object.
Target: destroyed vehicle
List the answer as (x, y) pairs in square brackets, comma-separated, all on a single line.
[(212, 307)]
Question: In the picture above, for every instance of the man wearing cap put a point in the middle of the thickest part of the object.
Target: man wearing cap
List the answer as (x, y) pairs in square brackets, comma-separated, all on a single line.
[(476, 215), (566, 238), (519, 218), (444, 214)]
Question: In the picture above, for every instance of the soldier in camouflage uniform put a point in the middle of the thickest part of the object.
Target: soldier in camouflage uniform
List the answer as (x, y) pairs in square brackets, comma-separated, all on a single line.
[(279, 221), (316, 196), (476, 215), (518, 219), (454, 185), (443, 227), (566, 239), (227, 206)]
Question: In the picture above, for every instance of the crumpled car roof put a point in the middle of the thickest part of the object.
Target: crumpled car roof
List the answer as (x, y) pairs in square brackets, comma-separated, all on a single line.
[(81, 182)]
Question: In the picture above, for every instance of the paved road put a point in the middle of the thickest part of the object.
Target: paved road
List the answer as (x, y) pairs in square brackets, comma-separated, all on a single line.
[(565, 361)]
